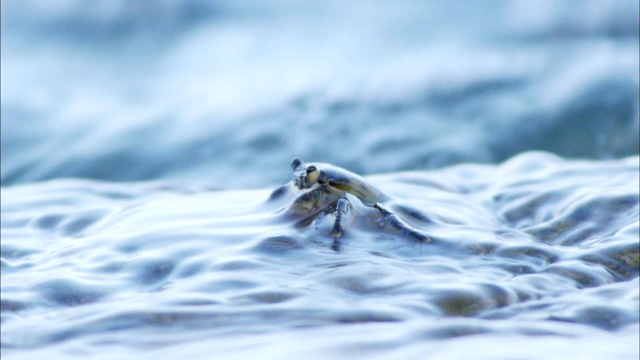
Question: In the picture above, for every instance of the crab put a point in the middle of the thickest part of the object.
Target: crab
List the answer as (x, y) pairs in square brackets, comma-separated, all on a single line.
[(331, 189)]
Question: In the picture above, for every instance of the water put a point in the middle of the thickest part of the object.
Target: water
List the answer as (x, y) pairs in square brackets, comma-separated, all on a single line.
[(536, 251), (147, 208)]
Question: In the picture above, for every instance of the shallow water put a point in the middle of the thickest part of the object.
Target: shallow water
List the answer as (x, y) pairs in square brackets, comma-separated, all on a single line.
[(533, 257)]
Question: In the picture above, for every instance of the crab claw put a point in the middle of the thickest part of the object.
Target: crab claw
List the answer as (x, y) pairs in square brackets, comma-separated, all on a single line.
[(300, 183)]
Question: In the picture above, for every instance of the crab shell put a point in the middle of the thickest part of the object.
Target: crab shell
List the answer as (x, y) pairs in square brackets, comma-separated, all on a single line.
[(335, 179)]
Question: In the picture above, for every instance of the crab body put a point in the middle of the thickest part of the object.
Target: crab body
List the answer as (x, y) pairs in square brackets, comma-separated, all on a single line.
[(336, 180), (332, 184)]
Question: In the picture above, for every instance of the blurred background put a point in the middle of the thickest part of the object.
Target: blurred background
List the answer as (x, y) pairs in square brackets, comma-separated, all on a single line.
[(226, 93)]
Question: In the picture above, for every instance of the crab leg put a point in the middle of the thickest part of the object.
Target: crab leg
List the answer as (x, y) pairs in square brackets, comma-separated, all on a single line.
[(342, 211), (395, 222)]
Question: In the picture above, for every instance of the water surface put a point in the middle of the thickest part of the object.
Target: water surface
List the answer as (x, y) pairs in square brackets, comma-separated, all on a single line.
[(534, 257)]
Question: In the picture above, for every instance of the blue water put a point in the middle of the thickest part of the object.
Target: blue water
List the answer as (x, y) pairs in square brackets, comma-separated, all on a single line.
[(147, 208)]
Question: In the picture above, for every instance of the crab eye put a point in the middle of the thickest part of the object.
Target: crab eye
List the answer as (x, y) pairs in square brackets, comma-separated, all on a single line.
[(296, 163), (312, 174)]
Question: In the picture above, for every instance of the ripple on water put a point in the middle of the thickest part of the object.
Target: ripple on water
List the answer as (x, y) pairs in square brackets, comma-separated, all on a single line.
[(280, 245), (587, 218), (584, 274), (471, 299), (607, 317), (620, 257), (153, 271), (66, 292)]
